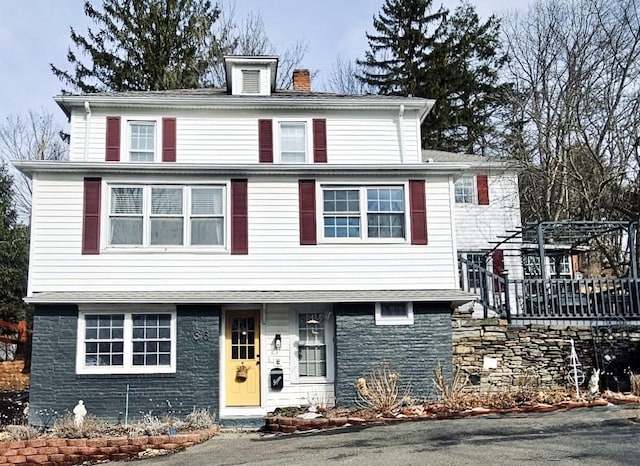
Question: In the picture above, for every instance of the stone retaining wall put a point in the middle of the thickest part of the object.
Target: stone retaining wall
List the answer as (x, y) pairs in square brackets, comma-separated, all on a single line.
[(543, 350), (77, 451)]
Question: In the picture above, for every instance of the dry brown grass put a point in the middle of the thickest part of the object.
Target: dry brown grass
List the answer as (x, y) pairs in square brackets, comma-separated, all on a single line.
[(453, 394), (381, 392), (65, 427), (635, 384)]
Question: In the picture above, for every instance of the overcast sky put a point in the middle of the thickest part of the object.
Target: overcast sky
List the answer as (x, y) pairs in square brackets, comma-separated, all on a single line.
[(35, 33)]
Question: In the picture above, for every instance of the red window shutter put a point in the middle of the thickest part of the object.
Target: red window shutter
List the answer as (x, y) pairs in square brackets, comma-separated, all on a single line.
[(319, 140), (113, 139), (91, 216), (418, 208), (482, 182), (239, 223), (307, 200), (168, 139), (498, 267), (265, 141)]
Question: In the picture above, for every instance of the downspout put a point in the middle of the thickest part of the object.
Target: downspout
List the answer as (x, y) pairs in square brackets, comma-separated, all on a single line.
[(401, 132), (87, 130)]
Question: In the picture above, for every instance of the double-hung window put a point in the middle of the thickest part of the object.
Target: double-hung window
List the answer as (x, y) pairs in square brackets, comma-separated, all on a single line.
[(312, 345), (380, 208), (464, 190), (154, 216), (126, 342), (142, 141), (293, 142)]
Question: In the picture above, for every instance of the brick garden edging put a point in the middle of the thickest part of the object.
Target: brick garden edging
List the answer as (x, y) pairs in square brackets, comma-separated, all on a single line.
[(54, 451), (290, 425)]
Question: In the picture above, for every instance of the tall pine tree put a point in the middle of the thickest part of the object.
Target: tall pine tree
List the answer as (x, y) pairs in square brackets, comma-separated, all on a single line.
[(143, 45), (407, 31), (14, 254), (454, 59)]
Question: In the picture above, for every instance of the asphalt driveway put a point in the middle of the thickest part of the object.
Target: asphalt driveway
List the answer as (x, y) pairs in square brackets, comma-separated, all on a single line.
[(589, 436)]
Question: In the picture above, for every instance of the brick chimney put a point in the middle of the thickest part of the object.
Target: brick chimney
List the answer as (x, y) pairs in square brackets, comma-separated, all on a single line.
[(301, 80)]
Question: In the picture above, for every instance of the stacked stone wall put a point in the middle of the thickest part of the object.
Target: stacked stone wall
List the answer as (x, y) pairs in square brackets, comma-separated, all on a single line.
[(497, 355)]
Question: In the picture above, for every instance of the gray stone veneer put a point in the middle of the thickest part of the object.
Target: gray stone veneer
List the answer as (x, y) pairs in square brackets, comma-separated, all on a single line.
[(55, 386), (412, 351)]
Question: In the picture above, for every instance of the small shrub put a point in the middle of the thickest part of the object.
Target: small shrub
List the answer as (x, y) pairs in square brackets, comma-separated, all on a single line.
[(21, 432), (635, 384), (199, 419), (453, 394), (65, 427), (149, 425), (380, 391)]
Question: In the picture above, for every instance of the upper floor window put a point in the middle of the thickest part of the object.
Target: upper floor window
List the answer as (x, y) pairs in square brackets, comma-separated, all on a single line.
[(464, 190), (293, 142), (142, 141), (380, 208), (166, 216), (250, 81)]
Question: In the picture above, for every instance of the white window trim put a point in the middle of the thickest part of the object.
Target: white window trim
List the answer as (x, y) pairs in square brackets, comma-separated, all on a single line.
[(277, 140), (294, 357), (474, 191), (363, 213), (394, 320), (125, 142), (146, 219), (129, 368)]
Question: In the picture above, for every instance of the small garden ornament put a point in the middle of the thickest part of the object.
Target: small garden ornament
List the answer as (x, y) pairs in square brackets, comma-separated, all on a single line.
[(594, 382), (80, 411)]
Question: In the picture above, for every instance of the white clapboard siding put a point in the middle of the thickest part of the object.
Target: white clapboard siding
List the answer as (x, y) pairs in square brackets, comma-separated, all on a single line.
[(480, 227), (231, 136), (281, 319), (276, 260)]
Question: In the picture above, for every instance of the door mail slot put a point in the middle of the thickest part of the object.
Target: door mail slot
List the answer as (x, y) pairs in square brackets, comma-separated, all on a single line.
[(277, 379)]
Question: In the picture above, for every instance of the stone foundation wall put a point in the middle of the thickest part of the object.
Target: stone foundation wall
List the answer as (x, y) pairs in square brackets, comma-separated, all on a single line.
[(497, 355)]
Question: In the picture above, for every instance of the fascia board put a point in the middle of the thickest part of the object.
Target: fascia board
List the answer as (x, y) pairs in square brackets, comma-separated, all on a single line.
[(95, 168)]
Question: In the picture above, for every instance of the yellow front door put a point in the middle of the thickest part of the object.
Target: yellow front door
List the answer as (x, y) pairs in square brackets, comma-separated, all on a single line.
[(242, 361)]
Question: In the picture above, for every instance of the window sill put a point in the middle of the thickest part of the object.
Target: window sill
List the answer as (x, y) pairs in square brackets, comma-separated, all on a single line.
[(363, 241), (312, 381), (163, 250), (127, 372)]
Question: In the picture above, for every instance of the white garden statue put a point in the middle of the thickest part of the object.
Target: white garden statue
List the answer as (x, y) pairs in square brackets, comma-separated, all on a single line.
[(80, 411)]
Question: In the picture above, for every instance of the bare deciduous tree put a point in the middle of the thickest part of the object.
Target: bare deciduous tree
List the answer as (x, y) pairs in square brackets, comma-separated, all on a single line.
[(249, 37), (35, 136), (343, 78), (574, 114)]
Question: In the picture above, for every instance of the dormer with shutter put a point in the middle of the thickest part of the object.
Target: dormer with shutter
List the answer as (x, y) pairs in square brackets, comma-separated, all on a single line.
[(251, 75)]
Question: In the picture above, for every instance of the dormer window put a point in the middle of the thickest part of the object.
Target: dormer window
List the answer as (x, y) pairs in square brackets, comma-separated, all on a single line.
[(250, 81), (251, 75)]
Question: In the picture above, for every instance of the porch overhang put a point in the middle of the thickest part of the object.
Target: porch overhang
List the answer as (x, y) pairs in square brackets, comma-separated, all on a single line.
[(453, 296)]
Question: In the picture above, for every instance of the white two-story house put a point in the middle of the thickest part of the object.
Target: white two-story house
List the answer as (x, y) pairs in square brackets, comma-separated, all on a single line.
[(239, 249)]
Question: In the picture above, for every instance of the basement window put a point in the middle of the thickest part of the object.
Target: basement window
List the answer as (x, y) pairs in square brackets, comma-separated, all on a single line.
[(394, 313)]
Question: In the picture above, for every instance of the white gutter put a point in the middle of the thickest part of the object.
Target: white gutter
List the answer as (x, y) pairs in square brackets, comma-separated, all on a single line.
[(195, 169), (401, 131), (87, 130)]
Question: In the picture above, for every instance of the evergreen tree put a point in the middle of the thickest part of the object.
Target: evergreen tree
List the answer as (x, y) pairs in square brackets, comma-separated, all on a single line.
[(454, 59), (14, 255), (143, 45), (462, 75), (406, 34)]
